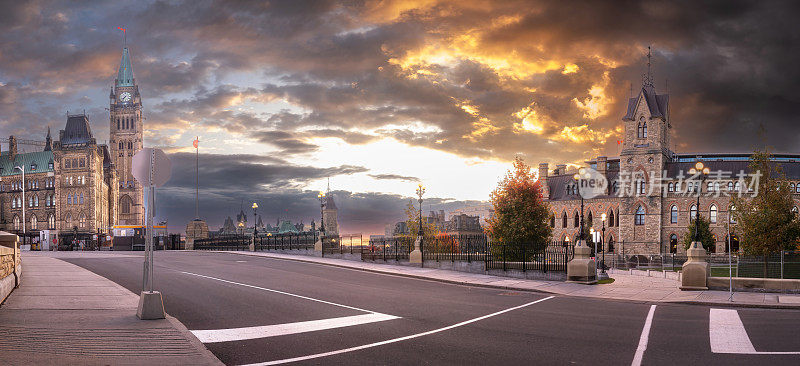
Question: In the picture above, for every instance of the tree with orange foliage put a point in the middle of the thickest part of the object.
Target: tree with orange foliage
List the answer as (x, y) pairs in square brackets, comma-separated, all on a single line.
[(520, 220)]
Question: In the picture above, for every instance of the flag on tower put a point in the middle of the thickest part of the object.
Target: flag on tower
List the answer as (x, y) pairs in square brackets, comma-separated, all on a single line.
[(196, 141)]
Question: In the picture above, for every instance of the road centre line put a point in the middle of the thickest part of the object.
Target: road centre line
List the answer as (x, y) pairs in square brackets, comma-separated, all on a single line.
[(280, 292), (395, 340), (240, 334), (643, 339), (728, 335)]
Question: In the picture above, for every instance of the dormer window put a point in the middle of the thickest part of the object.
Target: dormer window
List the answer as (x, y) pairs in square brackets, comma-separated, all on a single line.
[(641, 131), (33, 166)]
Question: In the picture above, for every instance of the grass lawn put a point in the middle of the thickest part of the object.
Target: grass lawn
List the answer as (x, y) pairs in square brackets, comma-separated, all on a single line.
[(603, 282)]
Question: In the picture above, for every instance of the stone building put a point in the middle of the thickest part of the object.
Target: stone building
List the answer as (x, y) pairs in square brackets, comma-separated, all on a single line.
[(71, 185), (330, 215), (650, 195)]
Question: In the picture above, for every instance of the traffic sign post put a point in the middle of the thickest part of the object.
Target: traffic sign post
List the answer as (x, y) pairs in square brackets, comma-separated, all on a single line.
[(152, 169)]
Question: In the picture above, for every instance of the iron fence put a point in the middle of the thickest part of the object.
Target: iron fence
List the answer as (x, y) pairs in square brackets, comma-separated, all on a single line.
[(553, 257), (289, 241), (387, 248), (223, 242)]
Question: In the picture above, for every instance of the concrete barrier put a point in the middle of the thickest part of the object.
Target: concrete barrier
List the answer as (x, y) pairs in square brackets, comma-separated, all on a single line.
[(10, 264), (755, 284)]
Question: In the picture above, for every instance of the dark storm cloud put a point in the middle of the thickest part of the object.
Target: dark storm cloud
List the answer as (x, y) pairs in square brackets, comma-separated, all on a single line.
[(228, 183), (451, 76), (395, 177)]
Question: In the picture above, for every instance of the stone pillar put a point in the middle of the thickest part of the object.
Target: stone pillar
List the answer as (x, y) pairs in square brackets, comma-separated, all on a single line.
[(582, 268), (694, 276), (602, 164), (416, 255), (253, 243), (189, 245), (561, 169)]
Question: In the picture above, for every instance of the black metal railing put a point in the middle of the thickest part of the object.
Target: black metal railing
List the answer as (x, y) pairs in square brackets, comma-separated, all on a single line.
[(223, 242), (387, 248), (552, 257), (289, 241), (456, 248)]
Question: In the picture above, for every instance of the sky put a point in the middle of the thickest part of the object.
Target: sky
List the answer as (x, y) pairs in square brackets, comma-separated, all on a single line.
[(379, 96)]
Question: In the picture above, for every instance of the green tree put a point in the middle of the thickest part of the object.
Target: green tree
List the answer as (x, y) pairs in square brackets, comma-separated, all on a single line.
[(412, 221), (520, 220), (705, 236), (766, 223)]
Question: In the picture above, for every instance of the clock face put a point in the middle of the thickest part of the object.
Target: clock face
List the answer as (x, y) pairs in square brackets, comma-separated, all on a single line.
[(125, 97)]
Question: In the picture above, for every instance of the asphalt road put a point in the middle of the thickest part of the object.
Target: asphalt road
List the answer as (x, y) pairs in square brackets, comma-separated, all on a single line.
[(261, 310)]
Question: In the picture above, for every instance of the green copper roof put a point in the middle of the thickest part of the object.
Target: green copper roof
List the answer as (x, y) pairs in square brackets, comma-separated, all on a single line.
[(287, 227), (125, 73), (41, 159)]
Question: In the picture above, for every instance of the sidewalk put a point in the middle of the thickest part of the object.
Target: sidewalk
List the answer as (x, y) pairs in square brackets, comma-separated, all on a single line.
[(625, 286), (64, 314)]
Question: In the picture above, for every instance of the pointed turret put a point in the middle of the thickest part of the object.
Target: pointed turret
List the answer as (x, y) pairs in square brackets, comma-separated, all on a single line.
[(48, 141), (125, 72)]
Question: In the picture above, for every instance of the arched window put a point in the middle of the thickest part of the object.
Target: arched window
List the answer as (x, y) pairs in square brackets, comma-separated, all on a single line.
[(577, 220), (692, 212), (797, 188), (34, 223), (671, 187), (82, 221), (51, 222), (125, 204), (611, 217), (589, 218), (121, 145), (36, 201), (730, 186), (81, 198), (712, 214), (639, 217), (673, 214), (118, 123), (564, 220), (791, 187), (16, 222), (673, 243), (130, 145), (68, 221), (736, 187), (69, 198)]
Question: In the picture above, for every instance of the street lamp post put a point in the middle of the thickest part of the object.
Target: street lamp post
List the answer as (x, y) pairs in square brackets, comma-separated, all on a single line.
[(255, 219), (702, 171), (321, 197), (603, 275), (420, 232), (22, 169), (577, 178)]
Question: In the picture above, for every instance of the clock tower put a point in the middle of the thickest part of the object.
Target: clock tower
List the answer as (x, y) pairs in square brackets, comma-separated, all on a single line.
[(126, 140)]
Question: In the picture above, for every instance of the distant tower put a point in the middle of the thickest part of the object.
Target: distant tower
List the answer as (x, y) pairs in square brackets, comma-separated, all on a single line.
[(125, 108), (330, 213)]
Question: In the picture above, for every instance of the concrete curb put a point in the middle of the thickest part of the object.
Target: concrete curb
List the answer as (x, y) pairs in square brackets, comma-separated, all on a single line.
[(514, 288), (201, 348)]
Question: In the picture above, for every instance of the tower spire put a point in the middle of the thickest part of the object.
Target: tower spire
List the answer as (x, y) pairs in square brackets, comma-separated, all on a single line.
[(647, 79), (125, 72)]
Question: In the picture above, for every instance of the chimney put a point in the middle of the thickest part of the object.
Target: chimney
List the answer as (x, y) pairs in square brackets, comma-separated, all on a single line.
[(602, 164), (12, 147), (543, 168), (561, 169)]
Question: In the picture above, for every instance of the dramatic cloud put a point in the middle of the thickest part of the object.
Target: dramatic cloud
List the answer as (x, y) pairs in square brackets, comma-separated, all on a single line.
[(479, 81)]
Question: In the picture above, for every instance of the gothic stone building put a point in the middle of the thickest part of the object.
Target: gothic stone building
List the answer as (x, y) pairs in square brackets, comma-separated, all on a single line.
[(126, 126), (69, 186), (650, 195)]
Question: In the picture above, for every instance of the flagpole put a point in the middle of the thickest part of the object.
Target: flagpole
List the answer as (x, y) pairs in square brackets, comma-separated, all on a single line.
[(197, 178)]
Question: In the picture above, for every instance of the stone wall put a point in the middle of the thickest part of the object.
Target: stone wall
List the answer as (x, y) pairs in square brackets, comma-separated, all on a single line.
[(10, 264)]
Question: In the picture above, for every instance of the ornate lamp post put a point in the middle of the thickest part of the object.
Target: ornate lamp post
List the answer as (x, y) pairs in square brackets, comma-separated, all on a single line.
[(321, 197), (420, 192), (577, 178), (22, 169), (702, 171), (255, 219), (603, 274), (241, 228)]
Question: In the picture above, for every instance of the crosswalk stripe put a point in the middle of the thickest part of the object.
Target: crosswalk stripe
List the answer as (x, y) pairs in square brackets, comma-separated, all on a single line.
[(240, 334), (728, 335)]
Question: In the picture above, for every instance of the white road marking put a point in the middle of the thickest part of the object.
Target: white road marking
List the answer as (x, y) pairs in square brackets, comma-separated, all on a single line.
[(240, 334), (241, 261), (643, 339), (727, 334), (280, 292), (395, 340)]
